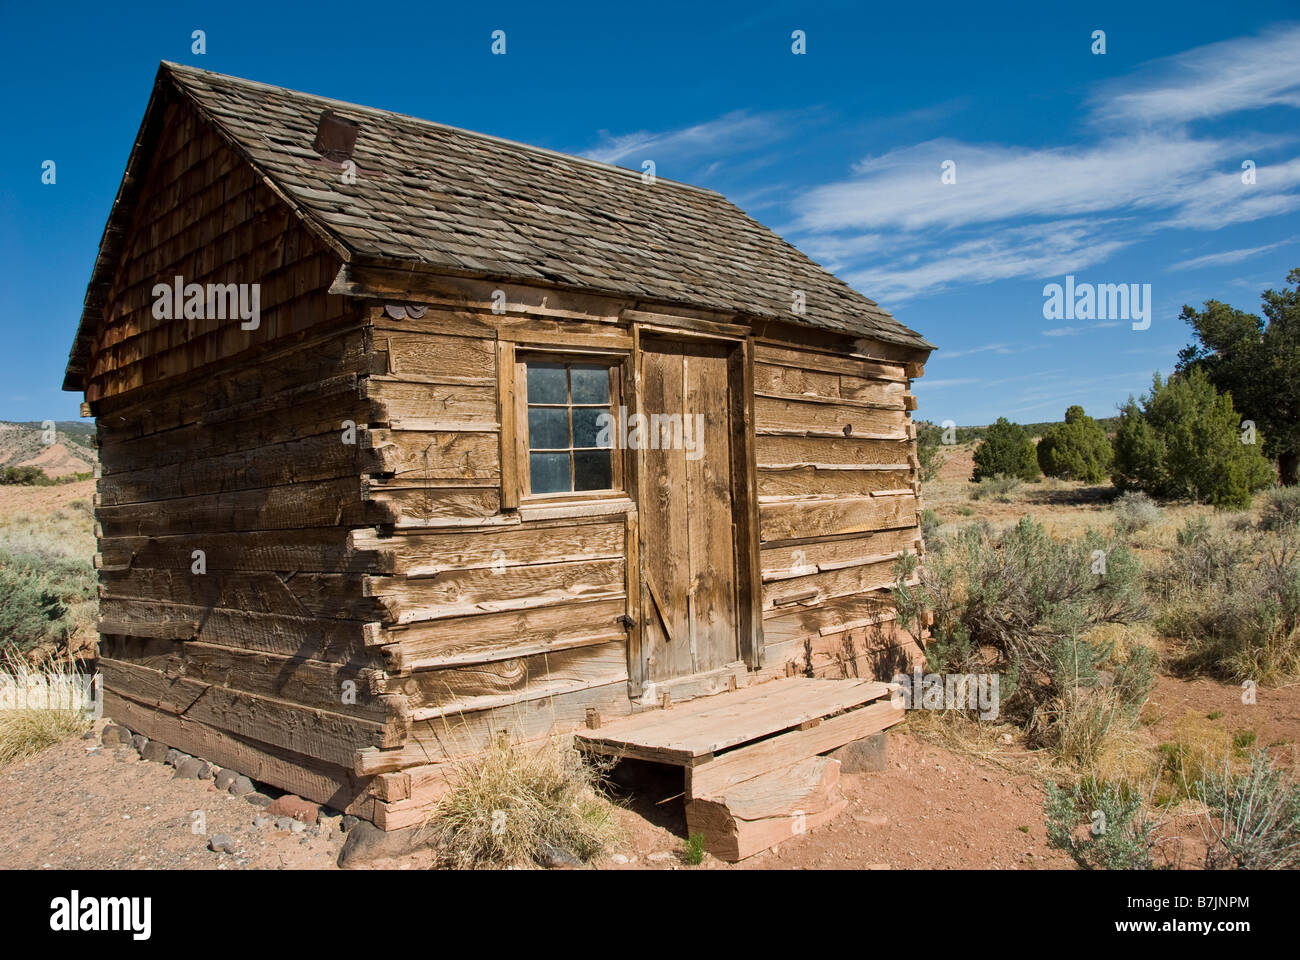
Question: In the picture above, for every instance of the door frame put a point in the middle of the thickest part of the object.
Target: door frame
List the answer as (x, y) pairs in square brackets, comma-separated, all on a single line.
[(744, 481)]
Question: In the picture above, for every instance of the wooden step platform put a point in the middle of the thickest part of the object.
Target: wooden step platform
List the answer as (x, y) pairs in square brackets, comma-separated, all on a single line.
[(768, 810), (752, 757)]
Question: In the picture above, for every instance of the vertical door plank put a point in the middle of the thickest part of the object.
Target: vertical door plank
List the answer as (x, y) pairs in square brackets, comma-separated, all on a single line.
[(665, 641), (712, 574)]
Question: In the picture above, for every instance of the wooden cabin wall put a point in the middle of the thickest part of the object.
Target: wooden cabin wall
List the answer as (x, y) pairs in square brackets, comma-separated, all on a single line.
[(260, 663), (232, 442), (509, 620), (839, 503), (494, 620)]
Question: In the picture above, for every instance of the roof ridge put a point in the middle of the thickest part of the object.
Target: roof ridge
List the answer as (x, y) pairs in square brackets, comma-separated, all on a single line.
[(183, 69)]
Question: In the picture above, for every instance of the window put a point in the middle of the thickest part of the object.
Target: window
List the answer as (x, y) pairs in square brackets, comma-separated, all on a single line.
[(571, 410)]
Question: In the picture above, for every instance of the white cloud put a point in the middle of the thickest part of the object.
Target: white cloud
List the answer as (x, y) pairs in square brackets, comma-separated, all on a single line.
[(1047, 249), (1220, 199), (902, 189), (895, 230), (1225, 257), (1075, 331), (1246, 73), (734, 132), (892, 228), (929, 385)]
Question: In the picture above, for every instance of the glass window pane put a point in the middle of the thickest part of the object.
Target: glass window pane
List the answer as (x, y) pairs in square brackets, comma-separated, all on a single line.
[(548, 428), (592, 427), (590, 383), (546, 383), (549, 472), (592, 470)]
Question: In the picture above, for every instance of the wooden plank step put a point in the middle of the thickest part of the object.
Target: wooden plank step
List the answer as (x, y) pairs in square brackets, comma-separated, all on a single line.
[(745, 763), (768, 810), (692, 733)]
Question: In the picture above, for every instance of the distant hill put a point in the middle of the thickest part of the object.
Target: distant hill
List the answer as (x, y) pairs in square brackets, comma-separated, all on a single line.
[(21, 445)]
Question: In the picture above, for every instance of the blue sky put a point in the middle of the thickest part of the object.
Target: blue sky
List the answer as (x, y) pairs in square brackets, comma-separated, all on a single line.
[(1115, 168)]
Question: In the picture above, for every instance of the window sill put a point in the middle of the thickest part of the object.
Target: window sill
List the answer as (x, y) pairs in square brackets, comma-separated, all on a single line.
[(556, 509)]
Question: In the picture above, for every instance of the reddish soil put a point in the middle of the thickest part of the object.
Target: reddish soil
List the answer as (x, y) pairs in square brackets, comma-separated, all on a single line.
[(58, 461), (80, 806), (930, 809), (1208, 705)]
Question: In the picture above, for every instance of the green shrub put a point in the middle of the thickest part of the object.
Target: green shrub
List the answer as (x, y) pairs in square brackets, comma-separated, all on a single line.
[(1254, 817), (38, 594), (1257, 360), (1118, 836), (1183, 441), (36, 477), (1235, 602), (1016, 603), (929, 449), (25, 476), (694, 853), (1134, 511), (930, 525), (1007, 449), (1077, 449)]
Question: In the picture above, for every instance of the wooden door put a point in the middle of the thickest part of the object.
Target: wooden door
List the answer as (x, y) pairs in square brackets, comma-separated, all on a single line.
[(688, 546)]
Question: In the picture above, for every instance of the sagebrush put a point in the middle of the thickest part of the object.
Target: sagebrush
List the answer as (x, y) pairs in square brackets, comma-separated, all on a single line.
[(1020, 604)]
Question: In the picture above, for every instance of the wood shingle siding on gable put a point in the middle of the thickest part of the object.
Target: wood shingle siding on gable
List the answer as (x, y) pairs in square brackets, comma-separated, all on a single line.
[(373, 609)]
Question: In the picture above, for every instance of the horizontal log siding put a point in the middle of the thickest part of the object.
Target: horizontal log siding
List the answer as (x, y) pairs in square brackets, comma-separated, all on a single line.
[(490, 620), (839, 502), (268, 648), (229, 441)]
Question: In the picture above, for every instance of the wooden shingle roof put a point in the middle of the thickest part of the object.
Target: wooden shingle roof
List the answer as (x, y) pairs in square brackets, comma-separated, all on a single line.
[(468, 204)]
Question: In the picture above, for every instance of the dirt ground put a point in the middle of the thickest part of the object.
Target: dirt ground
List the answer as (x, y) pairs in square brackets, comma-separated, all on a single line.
[(15, 499), (78, 805), (81, 806)]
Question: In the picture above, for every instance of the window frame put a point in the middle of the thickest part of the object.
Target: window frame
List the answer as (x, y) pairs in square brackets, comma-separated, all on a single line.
[(516, 450)]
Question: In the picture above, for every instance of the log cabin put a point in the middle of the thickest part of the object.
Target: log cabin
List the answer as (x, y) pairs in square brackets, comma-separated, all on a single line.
[(502, 441)]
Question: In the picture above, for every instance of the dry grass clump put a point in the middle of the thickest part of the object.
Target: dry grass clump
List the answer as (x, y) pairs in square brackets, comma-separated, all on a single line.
[(1281, 511), (1089, 727), (40, 705), (514, 806), (997, 488), (1233, 597)]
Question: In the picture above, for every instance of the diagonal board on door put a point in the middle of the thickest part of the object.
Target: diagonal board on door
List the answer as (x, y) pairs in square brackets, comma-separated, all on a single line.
[(688, 551)]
